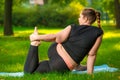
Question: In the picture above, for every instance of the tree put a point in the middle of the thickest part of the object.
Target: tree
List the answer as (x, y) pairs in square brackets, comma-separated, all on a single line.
[(8, 18), (111, 8), (117, 12), (66, 2)]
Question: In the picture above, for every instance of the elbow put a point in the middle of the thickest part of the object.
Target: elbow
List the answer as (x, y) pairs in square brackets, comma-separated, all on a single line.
[(92, 53), (58, 40)]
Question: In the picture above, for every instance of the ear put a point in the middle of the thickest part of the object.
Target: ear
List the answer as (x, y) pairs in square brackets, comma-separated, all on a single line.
[(86, 20)]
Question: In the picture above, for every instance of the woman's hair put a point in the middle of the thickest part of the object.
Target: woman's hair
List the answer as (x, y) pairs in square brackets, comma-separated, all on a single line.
[(92, 15)]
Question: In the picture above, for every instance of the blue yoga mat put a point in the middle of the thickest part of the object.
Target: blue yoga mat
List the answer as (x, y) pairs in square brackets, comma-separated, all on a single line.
[(14, 74), (101, 68)]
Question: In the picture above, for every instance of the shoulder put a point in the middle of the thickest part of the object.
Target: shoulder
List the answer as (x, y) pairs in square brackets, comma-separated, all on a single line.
[(75, 27), (98, 31)]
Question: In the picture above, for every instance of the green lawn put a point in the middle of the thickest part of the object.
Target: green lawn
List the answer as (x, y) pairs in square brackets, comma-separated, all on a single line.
[(13, 51)]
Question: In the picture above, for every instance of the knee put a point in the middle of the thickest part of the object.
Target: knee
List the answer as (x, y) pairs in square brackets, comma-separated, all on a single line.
[(26, 70)]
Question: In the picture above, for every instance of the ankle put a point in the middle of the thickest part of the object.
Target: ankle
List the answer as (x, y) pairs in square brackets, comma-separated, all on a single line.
[(35, 43)]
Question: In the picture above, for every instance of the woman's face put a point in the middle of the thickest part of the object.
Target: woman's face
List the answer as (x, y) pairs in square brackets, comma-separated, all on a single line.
[(82, 19)]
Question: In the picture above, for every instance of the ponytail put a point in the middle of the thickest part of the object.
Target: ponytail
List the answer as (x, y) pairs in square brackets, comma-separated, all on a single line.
[(92, 15), (98, 18)]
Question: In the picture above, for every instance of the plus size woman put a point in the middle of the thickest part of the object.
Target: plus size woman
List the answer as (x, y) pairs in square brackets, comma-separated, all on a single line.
[(69, 46)]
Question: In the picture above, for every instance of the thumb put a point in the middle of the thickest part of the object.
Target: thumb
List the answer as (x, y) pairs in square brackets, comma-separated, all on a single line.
[(35, 30)]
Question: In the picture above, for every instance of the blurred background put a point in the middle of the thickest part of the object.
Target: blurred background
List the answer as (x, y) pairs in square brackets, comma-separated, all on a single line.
[(19, 17), (53, 13)]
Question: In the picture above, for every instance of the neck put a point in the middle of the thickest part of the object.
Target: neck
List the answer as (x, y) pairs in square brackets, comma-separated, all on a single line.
[(85, 24)]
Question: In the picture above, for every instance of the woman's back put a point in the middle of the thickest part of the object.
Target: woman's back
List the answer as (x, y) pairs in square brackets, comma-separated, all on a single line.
[(81, 40)]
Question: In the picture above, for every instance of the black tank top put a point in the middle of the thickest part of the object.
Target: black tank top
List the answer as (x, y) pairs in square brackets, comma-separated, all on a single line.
[(80, 41)]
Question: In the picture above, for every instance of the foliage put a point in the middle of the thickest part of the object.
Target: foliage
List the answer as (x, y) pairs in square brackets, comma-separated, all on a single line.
[(106, 7), (51, 14), (24, 15), (66, 2), (1, 5), (48, 15), (1, 18), (1, 11)]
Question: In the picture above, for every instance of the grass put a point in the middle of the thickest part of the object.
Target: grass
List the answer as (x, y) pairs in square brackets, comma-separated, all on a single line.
[(13, 51)]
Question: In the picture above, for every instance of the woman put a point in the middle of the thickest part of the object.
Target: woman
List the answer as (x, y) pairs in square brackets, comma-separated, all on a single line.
[(69, 47)]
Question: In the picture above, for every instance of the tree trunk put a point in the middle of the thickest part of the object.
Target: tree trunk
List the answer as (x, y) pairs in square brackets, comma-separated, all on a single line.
[(117, 13), (8, 18)]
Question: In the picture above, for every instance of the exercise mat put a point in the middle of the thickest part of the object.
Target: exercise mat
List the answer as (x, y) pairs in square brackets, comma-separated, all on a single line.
[(101, 68)]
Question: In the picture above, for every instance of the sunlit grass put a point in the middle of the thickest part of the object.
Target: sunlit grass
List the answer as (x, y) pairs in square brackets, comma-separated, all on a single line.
[(111, 34), (117, 46), (13, 52), (24, 32), (41, 31), (11, 67)]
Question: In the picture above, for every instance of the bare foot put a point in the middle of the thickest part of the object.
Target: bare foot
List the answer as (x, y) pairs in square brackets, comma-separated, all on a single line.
[(81, 68)]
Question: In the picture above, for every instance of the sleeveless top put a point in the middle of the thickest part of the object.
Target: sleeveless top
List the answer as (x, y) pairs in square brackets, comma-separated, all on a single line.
[(80, 41)]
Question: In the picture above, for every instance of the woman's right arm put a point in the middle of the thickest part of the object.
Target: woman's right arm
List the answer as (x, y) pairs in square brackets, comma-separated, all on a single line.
[(92, 55), (58, 37)]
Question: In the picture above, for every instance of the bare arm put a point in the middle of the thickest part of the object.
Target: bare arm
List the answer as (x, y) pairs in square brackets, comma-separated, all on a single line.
[(92, 55), (58, 37)]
